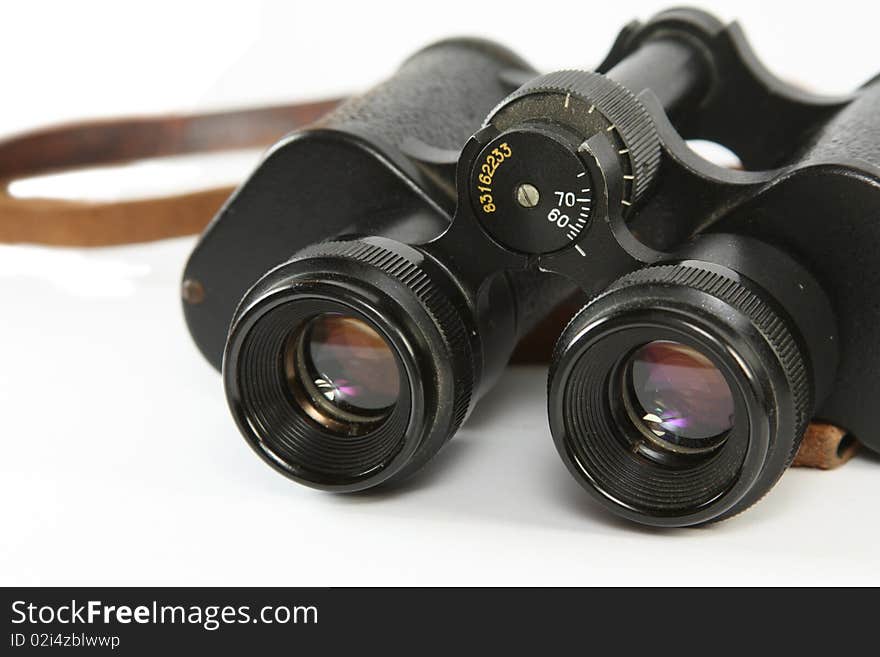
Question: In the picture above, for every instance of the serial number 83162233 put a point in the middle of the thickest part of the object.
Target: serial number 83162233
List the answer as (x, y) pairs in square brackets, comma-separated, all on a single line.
[(487, 173)]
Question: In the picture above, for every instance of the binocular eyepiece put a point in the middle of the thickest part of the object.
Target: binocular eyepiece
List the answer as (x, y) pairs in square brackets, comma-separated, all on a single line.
[(369, 282), (680, 395), (350, 364)]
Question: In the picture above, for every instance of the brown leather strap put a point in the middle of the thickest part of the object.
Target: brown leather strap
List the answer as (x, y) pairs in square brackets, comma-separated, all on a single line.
[(83, 223)]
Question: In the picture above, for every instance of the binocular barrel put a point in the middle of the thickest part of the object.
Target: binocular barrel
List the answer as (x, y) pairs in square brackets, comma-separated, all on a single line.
[(680, 394), (351, 363)]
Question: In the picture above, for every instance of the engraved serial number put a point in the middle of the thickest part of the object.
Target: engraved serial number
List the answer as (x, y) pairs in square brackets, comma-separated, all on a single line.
[(487, 173)]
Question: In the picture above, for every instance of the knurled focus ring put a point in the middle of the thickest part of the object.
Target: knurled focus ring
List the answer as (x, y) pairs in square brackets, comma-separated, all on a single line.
[(622, 111)]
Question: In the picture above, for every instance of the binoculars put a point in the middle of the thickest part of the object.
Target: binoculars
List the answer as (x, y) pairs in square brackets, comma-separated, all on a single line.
[(368, 283)]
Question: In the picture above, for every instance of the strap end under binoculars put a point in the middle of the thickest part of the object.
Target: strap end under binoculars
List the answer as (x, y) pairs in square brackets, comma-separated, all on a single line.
[(826, 447)]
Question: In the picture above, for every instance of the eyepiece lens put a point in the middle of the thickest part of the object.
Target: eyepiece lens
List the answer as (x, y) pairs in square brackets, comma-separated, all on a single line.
[(678, 398), (342, 372), (354, 365)]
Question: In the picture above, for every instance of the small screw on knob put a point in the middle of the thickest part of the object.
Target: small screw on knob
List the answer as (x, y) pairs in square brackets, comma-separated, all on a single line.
[(527, 195)]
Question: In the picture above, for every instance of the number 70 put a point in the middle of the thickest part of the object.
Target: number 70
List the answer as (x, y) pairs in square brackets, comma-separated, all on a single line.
[(565, 199)]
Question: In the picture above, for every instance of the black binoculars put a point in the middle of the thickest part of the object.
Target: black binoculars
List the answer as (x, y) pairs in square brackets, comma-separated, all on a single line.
[(369, 281)]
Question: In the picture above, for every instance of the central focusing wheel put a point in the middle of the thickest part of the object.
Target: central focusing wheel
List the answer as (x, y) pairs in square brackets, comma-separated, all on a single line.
[(564, 148), (531, 190)]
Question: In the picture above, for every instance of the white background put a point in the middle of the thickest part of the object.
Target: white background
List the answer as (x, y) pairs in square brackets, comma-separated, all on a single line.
[(119, 462)]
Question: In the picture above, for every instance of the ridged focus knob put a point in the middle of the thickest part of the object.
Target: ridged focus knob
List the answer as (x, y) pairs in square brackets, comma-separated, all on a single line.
[(590, 103)]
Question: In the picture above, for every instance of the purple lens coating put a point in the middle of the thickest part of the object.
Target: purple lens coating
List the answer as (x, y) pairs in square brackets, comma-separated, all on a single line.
[(351, 364), (681, 396)]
